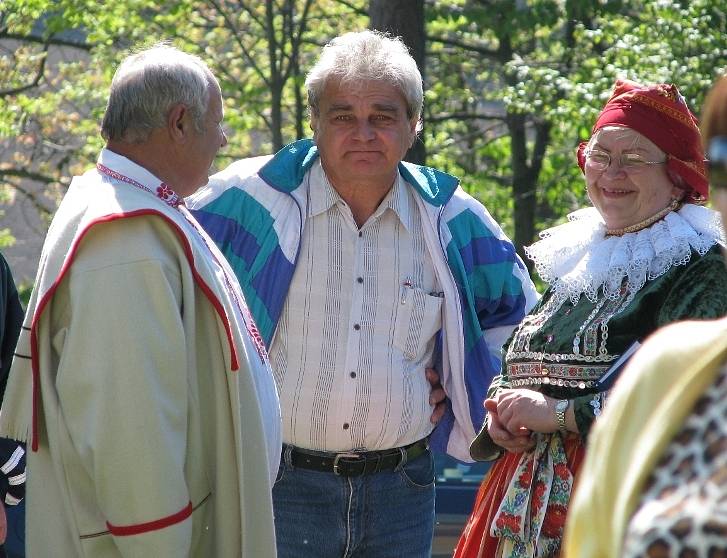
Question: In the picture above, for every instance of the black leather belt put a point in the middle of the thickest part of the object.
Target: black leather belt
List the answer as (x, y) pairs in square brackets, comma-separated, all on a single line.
[(354, 464)]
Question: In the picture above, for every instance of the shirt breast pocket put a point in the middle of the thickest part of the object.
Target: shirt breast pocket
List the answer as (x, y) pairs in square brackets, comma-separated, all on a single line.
[(418, 319)]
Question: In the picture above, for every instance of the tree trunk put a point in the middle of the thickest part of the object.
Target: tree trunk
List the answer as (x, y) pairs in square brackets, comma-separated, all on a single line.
[(301, 115), (523, 185), (276, 81), (405, 19)]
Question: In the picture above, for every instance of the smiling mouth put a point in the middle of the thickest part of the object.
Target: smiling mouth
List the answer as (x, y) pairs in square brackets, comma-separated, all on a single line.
[(615, 192)]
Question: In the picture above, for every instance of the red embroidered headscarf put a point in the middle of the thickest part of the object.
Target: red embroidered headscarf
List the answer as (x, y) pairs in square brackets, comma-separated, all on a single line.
[(660, 113)]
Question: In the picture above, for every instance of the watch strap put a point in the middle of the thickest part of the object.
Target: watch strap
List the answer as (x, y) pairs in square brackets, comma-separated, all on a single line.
[(561, 407)]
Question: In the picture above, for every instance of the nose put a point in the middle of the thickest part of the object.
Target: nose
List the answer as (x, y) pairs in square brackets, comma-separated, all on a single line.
[(614, 168), (364, 131), (224, 139)]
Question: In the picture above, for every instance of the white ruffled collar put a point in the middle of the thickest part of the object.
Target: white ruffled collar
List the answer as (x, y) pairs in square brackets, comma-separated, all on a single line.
[(577, 258)]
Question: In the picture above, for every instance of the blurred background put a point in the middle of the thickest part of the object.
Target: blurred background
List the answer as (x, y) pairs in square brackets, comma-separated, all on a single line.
[(511, 86)]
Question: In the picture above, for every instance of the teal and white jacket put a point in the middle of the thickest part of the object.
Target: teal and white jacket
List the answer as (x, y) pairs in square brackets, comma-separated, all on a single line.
[(254, 210)]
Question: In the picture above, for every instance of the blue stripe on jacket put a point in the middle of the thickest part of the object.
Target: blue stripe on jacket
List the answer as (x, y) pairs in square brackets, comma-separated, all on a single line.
[(482, 265), (248, 240)]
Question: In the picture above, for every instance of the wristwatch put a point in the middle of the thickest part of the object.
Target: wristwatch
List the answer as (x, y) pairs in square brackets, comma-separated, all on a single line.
[(561, 406)]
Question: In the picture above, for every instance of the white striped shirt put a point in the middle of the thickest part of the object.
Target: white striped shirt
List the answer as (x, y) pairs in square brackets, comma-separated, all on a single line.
[(358, 326)]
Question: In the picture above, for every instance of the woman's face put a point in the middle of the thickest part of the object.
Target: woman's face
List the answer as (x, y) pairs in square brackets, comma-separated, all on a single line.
[(626, 194)]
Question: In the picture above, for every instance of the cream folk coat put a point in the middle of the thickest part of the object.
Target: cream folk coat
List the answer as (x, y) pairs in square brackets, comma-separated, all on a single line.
[(146, 394)]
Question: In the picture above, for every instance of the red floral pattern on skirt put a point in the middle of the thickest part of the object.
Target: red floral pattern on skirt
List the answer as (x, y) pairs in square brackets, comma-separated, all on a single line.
[(476, 541)]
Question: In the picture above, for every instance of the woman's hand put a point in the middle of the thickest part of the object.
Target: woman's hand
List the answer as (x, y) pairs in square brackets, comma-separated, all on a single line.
[(520, 409), (517, 442)]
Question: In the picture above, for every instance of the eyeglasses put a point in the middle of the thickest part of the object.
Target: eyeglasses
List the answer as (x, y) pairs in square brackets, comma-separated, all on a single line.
[(717, 164), (630, 162)]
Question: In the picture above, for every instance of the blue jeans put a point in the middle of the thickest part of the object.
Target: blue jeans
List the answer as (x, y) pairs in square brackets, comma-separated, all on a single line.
[(384, 515)]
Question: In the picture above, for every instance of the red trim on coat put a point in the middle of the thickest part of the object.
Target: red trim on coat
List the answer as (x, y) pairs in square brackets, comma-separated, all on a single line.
[(66, 266), (139, 528)]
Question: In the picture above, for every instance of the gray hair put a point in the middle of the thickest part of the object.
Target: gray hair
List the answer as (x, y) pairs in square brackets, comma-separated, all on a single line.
[(147, 85), (626, 133), (367, 56)]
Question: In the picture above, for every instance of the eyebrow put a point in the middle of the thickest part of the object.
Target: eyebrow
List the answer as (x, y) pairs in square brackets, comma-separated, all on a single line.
[(338, 107), (601, 147), (380, 107), (386, 107)]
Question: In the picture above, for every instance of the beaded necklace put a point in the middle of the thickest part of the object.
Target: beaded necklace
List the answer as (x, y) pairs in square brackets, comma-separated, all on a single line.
[(163, 191), (674, 205)]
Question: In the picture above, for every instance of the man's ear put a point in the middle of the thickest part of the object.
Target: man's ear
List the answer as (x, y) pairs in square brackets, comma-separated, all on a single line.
[(313, 123), (179, 122), (413, 124)]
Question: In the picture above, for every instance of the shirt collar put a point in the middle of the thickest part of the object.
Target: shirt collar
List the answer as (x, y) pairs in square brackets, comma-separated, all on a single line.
[(136, 173), (323, 196), (127, 167)]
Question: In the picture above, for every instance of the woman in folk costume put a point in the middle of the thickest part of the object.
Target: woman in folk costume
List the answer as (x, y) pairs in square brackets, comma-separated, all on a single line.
[(654, 480), (646, 254)]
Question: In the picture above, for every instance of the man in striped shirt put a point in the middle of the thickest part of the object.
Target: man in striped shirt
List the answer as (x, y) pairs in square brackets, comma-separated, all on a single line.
[(362, 272)]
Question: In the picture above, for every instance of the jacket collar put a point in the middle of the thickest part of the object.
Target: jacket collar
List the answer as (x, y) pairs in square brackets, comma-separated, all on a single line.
[(285, 172)]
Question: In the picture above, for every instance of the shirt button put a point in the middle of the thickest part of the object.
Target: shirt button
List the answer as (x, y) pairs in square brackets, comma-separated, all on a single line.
[(353, 374), (345, 426), (360, 234), (356, 327), (359, 279)]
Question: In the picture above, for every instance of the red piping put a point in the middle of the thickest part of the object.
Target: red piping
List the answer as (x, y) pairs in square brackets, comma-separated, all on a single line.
[(126, 530), (67, 264)]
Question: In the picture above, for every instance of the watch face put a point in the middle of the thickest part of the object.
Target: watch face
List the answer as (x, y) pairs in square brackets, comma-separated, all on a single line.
[(561, 405)]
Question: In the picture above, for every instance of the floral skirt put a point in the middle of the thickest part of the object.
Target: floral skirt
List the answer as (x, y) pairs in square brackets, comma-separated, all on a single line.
[(477, 539)]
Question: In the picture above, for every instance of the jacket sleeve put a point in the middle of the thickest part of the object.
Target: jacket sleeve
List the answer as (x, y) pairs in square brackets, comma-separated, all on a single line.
[(700, 292), (11, 318), (12, 466), (122, 387)]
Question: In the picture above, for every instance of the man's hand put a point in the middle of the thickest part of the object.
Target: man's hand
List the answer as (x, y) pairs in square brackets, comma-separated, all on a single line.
[(437, 397), (515, 442)]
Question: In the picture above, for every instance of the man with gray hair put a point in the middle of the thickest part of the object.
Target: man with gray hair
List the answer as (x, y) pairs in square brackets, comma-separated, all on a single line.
[(363, 272), (140, 381)]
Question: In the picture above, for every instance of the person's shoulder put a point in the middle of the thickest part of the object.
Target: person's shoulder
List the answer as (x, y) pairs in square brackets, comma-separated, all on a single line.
[(699, 287), (4, 268), (712, 267), (114, 242), (462, 200), (240, 175), (713, 257), (464, 209), (241, 169)]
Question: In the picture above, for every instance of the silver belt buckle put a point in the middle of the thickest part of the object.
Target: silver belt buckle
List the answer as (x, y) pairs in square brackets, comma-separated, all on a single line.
[(340, 456)]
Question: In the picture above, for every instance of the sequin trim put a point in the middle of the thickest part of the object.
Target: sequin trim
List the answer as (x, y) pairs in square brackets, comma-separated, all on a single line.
[(561, 375)]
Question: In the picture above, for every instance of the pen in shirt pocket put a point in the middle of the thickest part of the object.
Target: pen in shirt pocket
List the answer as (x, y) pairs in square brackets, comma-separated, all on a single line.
[(438, 294), (404, 286)]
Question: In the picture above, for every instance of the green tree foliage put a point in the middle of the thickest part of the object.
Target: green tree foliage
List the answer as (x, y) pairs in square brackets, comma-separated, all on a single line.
[(53, 88), (511, 86), (530, 78)]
